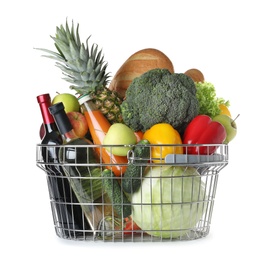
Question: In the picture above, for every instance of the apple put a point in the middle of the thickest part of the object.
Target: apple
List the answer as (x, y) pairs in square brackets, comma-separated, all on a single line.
[(78, 122), (70, 102), (119, 134), (230, 126)]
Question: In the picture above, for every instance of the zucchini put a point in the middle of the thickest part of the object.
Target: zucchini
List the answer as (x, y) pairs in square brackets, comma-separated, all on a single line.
[(119, 200), (131, 180)]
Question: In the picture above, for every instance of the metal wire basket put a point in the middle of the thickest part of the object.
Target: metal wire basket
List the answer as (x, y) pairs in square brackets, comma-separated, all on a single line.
[(174, 202)]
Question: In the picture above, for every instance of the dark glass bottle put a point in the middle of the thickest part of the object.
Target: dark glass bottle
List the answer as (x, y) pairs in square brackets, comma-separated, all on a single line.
[(81, 165), (69, 217)]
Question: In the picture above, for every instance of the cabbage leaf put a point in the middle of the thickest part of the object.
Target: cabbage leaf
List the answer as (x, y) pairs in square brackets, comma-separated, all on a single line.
[(170, 202)]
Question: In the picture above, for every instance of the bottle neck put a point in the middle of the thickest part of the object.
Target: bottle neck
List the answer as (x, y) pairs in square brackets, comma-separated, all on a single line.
[(51, 127), (45, 102), (63, 123), (89, 106), (86, 103)]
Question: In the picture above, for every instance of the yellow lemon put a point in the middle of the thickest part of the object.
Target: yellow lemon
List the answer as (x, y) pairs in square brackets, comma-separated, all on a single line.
[(224, 110)]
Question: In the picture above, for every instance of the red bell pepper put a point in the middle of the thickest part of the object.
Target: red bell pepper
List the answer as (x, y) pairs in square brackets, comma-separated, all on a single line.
[(202, 130)]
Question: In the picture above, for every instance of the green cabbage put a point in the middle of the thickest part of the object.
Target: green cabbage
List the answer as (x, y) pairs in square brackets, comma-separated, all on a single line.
[(170, 202)]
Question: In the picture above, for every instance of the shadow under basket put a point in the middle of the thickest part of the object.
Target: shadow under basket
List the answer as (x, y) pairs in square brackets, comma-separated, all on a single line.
[(174, 200)]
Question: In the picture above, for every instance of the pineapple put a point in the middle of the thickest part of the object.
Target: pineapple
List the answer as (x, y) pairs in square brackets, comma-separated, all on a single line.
[(85, 69)]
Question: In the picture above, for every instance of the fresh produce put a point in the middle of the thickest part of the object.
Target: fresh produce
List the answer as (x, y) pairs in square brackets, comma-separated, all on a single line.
[(162, 134), (85, 69), (208, 101), (230, 126), (131, 180), (203, 130), (137, 64), (224, 110), (195, 74), (146, 113), (130, 226), (121, 135), (119, 200), (139, 136), (159, 96), (170, 201), (70, 102), (78, 122)]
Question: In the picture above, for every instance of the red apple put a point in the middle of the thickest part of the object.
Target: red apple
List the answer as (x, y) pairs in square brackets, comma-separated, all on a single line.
[(78, 122)]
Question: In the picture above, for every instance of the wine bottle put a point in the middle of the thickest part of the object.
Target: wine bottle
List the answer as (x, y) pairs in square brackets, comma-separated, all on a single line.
[(80, 163), (69, 215)]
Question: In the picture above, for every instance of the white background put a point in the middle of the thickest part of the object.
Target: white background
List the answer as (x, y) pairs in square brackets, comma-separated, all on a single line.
[(224, 39)]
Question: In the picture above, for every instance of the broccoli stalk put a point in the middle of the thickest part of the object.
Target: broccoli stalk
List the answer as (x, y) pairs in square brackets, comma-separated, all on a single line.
[(159, 96)]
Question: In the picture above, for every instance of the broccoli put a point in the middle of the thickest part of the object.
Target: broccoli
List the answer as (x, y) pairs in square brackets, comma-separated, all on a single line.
[(158, 96)]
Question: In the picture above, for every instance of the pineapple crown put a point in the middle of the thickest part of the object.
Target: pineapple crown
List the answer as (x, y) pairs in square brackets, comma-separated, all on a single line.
[(83, 67)]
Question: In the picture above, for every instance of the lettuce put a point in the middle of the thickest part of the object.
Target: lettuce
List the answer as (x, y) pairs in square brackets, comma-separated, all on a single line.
[(170, 202), (208, 101)]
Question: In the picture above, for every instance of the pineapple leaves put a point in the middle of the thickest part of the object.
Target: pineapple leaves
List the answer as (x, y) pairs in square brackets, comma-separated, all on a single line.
[(60, 34), (83, 53), (74, 50), (76, 36), (84, 67), (63, 47), (54, 55), (68, 71)]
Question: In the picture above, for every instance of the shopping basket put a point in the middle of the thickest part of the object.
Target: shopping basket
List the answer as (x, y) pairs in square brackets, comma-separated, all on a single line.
[(174, 202)]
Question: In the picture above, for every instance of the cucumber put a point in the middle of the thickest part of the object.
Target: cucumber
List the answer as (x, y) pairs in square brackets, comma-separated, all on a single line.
[(131, 180), (119, 200)]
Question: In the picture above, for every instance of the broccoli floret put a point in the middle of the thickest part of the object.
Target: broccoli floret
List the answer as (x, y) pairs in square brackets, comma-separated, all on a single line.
[(158, 96)]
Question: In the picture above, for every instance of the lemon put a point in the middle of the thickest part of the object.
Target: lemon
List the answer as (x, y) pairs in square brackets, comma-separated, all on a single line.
[(224, 110)]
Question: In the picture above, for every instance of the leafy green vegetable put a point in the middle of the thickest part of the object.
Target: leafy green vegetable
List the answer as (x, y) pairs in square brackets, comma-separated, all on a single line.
[(208, 101), (159, 96), (170, 202)]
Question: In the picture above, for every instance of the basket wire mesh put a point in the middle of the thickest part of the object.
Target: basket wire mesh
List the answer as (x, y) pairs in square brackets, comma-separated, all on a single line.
[(82, 212)]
